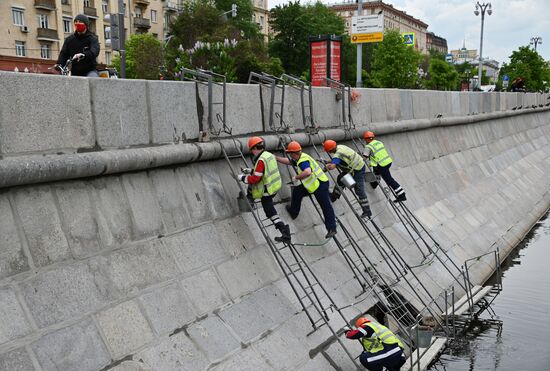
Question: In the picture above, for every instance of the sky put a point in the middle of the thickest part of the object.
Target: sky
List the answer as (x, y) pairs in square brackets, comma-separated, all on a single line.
[(512, 24)]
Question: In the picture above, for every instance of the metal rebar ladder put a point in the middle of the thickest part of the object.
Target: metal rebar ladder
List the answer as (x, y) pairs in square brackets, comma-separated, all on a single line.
[(313, 297)]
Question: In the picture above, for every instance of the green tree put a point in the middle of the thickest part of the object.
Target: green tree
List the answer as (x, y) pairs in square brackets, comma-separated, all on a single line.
[(292, 25), (144, 57), (441, 76), (527, 63), (394, 64), (203, 38)]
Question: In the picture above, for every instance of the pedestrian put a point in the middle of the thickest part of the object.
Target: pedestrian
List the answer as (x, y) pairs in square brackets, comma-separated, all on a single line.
[(82, 47), (313, 181), (349, 162), (380, 161), (382, 350), (263, 183)]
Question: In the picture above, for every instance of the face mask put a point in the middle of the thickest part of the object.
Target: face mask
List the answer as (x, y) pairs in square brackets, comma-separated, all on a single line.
[(80, 27)]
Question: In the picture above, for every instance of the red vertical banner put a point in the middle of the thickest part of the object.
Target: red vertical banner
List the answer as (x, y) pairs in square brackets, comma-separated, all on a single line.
[(319, 59), (335, 66), (325, 60)]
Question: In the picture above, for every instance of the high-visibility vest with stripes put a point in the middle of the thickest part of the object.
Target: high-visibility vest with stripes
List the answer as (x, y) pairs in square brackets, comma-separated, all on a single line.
[(378, 154), (352, 159), (383, 336), (271, 180), (311, 183)]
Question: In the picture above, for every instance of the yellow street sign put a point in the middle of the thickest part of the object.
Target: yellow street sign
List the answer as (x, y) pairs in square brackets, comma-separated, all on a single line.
[(374, 37)]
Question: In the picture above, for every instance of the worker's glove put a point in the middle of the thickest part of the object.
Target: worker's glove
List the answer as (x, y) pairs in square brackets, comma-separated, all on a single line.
[(346, 329), (246, 170), (78, 56), (241, 177)]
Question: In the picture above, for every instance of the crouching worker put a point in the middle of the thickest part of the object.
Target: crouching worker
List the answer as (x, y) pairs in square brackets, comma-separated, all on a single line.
[(263, 183), (380, 161), (382, 349), (313, 181), (348, 161)]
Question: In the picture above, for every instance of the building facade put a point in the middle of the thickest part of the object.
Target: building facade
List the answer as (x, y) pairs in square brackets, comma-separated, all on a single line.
[(261, 15), (437, 43), (393, 19), (33, 31)]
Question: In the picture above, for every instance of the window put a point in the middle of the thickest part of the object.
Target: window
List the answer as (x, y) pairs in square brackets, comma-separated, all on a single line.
[(153, 16), (45, 51), (64, 2), (67, 25), (43, 21), (137, 13), (20, 50), (107, 32), (108, 58), (105, 6), (17, 15)]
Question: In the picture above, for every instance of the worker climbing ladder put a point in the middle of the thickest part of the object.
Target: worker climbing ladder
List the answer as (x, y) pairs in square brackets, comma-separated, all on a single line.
[(363, 269), (313, 297)]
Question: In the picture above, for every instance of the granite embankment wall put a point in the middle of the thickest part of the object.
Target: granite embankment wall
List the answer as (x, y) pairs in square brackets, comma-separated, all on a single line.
[(123, 249)]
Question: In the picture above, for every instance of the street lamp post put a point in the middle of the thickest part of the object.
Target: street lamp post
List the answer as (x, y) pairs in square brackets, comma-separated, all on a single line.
[(481, 8), (535, 41)]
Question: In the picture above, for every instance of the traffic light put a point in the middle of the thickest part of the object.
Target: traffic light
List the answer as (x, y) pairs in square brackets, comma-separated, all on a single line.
[(117, 31), (233, 10)]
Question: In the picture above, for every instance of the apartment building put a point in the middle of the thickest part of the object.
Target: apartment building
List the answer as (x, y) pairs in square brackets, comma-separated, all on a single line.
[(393, 19), (261, 15), (33, 31), (434, 42)]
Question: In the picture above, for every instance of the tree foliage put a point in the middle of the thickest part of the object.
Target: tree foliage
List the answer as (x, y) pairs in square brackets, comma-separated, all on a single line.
[(394, 64), (144, 57), (528, 64), (292, 25), (441, 75), (203, 38)]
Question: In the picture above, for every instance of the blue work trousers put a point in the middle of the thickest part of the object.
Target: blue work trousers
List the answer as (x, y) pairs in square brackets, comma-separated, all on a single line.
[(323, 198), (392, 358), (384, 172)]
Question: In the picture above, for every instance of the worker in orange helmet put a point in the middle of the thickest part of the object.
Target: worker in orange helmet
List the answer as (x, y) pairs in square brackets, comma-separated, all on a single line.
[(382, 349), (380, 161), (263, 183), (313, 181), (348, 161)]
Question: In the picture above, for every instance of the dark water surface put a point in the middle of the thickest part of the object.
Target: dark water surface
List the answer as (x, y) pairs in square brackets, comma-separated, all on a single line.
[(522, 342)]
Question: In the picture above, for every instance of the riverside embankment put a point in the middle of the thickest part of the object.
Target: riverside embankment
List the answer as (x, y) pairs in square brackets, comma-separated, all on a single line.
[(123, 247)]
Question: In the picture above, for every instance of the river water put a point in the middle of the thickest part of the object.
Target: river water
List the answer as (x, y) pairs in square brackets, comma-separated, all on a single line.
[(521, 338)]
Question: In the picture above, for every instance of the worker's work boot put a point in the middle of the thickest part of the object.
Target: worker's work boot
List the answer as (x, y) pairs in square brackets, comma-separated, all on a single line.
[(335, 195), (331, 233), (400, 198), (367, 213), (285, 232)]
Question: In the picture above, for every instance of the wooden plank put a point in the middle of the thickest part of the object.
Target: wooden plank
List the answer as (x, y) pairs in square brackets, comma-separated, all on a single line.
[(463, 300), (427, 355), (477, 297)]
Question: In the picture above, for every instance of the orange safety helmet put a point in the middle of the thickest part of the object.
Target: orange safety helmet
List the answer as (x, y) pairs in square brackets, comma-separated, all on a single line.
[(361, 321), (254, 141), (293, 147), (329, 145), (368, 135)]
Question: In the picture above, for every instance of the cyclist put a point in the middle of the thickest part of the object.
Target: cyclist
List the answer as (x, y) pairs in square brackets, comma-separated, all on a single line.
[(82, 47)]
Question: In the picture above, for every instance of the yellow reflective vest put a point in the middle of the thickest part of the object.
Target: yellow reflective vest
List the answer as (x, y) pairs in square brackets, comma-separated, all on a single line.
[(311, 183), (383, 336), (271, 180), (378, 154), (352, 159)]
